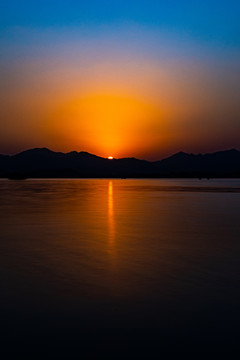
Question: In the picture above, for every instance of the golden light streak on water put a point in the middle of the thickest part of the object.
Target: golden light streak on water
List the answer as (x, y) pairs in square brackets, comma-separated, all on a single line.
[(111, 223)]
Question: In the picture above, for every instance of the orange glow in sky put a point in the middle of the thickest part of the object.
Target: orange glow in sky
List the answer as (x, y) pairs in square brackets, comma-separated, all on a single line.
[(107, 123), (107, 99)]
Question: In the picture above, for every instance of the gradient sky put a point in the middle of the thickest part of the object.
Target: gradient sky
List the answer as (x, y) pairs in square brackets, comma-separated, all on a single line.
[(121, 78)]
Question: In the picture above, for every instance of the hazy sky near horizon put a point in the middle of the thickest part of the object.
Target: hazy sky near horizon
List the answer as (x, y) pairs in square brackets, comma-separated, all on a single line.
[(121, 78)]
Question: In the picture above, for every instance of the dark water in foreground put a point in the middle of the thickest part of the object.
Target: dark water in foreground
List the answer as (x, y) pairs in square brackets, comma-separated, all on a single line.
[(119, 267)]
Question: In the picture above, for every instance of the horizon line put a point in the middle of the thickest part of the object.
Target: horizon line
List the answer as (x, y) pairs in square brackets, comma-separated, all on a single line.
[(114, 158)]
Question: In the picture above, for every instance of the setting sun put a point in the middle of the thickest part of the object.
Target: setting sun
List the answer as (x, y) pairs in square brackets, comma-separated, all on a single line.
[(110, 158), (107, 122)]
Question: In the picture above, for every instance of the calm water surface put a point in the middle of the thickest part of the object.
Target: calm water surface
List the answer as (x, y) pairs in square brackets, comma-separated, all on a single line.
[(119, 267)]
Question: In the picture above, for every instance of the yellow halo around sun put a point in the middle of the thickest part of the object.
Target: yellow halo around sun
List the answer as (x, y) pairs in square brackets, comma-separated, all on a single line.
[(110, 158)]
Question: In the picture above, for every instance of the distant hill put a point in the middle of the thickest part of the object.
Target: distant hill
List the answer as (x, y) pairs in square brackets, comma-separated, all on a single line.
[(42, 162), (221, 163)]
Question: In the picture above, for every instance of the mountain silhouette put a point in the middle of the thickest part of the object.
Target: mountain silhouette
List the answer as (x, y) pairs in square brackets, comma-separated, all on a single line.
[(42, 162)]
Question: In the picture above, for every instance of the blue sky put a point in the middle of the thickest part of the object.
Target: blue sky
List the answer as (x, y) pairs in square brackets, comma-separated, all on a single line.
[(205, 20), (180, 28)]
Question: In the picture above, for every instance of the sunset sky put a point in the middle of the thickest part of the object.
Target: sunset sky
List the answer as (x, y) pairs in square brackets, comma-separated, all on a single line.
[(120, 78)]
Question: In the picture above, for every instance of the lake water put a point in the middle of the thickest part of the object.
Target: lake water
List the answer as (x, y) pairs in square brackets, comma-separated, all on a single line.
[(119, 267)]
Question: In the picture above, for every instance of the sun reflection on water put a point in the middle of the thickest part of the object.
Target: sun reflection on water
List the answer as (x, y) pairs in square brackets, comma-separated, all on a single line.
[(111, 225)]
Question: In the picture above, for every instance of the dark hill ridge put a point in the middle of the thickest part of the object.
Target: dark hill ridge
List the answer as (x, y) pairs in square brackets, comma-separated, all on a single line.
[(225, 162), (42, 162)]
